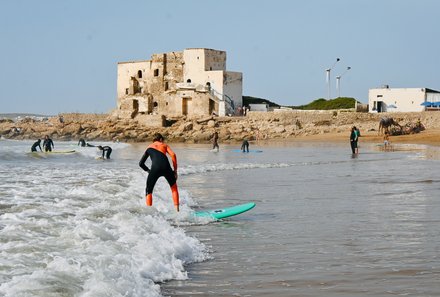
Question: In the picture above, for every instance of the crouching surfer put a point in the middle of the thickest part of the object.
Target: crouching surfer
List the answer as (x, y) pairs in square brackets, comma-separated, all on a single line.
[(106, 151), (160, 166)]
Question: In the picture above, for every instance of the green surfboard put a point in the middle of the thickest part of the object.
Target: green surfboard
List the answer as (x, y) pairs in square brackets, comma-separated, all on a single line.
[(226, 212)]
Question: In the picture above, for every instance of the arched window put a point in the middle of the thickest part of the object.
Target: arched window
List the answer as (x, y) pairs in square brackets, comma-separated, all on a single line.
[(188, 80), (139, 74), (155, 104), (208, 84)]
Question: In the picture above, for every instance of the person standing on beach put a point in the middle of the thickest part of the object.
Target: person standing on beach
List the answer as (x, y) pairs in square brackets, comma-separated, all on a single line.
[(215, 141), (48, 144), (35, 145), (160, 166), (353, 140)]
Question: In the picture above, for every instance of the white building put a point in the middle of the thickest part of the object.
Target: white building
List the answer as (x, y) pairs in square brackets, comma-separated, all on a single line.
[(388, 99)]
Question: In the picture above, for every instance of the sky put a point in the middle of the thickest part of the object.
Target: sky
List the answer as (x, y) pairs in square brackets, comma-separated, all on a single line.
[(59, 56)]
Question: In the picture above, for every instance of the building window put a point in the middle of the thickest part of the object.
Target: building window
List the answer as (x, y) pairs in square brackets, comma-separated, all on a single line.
[(188, 80), (166, 86), (155, 104), (379, 96), (140, 90), (139, 74), (126, 91), (156, 72)]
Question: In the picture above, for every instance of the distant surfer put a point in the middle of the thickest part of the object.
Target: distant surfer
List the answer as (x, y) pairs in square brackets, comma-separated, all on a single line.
[(215, 141), (106, 151), (160, 166), (83, 143), (245, 146), (353, 140), (35, 145), (48, 144)]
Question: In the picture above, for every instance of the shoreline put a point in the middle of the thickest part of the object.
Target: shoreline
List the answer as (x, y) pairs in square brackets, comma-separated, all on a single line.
[(288, 126)]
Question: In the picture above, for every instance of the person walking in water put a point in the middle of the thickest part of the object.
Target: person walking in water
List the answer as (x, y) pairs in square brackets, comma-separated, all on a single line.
[(35, 145), (160, 166), (48, 144), (353, 140), (106, 151), (215, 141), (245, 146)]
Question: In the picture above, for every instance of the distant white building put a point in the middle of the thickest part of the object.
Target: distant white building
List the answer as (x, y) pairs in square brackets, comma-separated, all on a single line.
[(388, 99), (259, 107)]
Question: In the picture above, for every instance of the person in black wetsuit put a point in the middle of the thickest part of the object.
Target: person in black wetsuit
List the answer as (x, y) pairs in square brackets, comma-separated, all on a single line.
[(82, 142), (353, 140), (48, 144), (35, 145), (160, 166), (245, 146), (106, 150)]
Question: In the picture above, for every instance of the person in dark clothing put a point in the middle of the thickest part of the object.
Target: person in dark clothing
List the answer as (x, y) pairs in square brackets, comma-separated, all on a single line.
[(82, 142), (160, 166), (35, 145), (106, 151), (48, 144), (215, 141), (245, 146), (353, 140)]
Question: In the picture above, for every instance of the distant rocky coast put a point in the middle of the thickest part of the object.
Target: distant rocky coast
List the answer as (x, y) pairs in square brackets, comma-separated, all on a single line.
[(254, 126)]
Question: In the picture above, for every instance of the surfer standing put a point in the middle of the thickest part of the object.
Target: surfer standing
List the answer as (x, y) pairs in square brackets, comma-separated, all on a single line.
[(215, 141), (160, 166), (48, 144), (245, 146)]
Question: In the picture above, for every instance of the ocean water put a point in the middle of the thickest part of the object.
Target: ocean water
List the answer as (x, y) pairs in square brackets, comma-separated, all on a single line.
[(326, 223)]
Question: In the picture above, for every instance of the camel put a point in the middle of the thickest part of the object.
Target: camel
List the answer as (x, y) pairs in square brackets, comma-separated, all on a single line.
[(385, 123)]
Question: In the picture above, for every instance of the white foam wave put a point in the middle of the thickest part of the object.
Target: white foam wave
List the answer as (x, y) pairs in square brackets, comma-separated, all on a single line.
[(68, 232)]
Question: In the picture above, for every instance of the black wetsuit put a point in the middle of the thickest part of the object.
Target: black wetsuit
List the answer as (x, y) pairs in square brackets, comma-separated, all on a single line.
[(353, 141), (106, 150), (48, 145), (35, 145), (245, 146), (82, 142), (160, 166)]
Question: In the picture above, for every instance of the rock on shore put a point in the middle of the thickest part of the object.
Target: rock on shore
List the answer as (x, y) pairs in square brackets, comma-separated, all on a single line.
[(262, 125)]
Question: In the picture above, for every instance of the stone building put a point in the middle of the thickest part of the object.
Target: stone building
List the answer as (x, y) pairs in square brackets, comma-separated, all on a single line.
[(193, 82)]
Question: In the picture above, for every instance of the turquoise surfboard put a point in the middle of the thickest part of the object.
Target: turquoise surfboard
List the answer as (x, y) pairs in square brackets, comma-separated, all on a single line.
[(226, 212)]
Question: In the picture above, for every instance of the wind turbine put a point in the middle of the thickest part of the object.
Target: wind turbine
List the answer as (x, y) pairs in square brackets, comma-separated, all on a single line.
[(338, 81), (328, 70)]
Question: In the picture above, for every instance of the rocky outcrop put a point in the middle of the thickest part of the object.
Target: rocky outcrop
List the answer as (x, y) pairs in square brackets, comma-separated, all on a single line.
[(256, 125)]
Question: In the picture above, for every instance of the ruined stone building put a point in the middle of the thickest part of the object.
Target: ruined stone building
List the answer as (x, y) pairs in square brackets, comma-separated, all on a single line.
[(192, 83)]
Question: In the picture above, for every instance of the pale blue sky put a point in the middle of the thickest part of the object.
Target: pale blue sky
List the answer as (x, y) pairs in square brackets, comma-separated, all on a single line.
[(61, 55)]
